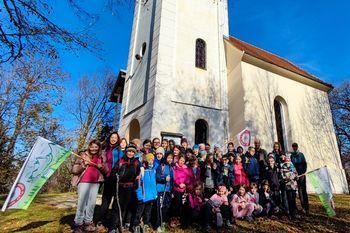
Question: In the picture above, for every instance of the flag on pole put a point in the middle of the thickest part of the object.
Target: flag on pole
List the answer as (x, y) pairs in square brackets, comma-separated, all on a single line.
[(43, 160), (244, 138), (319, 179)]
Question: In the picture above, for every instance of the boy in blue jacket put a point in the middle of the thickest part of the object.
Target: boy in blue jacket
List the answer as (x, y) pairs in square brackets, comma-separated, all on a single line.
[(251, 165), (164, 178), (146, 193)]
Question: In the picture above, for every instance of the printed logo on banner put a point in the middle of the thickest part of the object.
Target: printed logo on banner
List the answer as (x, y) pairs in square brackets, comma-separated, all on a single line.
[(244, 138), (18, 193)]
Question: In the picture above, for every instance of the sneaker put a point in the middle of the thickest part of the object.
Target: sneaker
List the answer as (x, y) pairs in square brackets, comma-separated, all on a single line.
[(228, 224), (249, 218), (100, 227), (159, 229), (136, 229), (127, 226), (90, 227), (145, 228), (78, 228)]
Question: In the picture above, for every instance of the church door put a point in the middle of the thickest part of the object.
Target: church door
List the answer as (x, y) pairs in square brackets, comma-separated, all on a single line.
[(201, 131)]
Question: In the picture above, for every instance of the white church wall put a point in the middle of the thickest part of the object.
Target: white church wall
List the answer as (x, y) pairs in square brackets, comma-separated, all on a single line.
[(309, 117)]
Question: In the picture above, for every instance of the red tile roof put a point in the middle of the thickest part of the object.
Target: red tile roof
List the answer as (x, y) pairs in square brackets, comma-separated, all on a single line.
[(272, 58)]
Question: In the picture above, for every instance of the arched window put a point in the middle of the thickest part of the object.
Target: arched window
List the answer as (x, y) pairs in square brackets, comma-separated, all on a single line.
[(201, 131), (201, 54), (279, 105), (134, 129)]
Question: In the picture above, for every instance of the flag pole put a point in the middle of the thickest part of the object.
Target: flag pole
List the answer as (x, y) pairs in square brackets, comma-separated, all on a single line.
[(17, 178), (81, 157), (304, 174)]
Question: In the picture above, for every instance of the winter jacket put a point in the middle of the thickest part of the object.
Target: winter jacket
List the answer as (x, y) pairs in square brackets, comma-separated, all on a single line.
[(195, 202), (147, 187), (289, 175), (164, 170), (127, 169), (273, 176), (226, 176), (278, 157), (299, 162), (251, 167), (112, 156), (206, 171), (195, 176), (181, 176), (240, 175), (79, 169)]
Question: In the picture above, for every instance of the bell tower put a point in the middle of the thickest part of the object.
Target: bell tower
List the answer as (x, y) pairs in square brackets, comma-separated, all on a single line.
[(176, 74)]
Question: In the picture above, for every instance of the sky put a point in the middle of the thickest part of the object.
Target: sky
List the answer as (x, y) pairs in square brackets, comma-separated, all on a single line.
[(313, 35)]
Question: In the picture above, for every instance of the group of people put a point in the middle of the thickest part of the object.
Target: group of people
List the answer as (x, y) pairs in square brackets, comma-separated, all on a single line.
[(158, 182)]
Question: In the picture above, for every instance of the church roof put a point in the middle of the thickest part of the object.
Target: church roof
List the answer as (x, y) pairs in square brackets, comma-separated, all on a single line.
[(272, 58)]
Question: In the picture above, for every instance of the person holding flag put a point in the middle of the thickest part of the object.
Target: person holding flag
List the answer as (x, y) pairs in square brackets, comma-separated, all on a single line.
[(90, 171)]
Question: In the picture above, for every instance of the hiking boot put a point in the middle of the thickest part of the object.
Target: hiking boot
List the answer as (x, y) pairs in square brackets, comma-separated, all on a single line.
[(228, 224), (78, 228), (90, 227), (159, 230)]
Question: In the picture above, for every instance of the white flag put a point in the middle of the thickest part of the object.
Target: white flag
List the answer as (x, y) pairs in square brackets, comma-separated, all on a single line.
[(244, 138)]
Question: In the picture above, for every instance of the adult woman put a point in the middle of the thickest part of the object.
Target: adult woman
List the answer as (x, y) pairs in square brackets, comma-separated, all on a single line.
[(113, 153)]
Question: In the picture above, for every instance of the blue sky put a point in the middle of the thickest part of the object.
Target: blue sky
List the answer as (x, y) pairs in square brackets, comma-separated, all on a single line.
[(314, 35)]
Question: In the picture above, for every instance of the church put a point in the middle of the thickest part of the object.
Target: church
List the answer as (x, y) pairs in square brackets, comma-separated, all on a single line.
[(187, 77)]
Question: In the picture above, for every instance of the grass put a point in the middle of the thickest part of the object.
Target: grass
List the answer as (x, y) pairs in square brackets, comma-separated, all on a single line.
[(41, 217)]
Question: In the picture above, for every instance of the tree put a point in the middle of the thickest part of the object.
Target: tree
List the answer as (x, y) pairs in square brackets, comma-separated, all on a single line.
[(28, 91), (340, 105), (27, 23), (91, 108)]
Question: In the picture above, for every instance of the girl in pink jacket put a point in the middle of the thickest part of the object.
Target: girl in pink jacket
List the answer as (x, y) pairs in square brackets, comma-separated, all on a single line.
[(181, 182), (242, 207)]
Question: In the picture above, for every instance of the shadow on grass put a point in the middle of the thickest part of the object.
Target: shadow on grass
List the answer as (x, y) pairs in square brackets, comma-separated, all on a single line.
[(69, 219), (32, 225)]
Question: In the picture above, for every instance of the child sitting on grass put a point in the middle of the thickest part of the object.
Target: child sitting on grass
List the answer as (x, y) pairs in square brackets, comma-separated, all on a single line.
[(254, 199), (218, 205), (241, 205)]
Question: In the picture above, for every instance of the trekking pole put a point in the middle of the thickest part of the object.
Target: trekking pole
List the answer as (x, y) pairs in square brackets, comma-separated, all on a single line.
[(118, 204), (161, 204)]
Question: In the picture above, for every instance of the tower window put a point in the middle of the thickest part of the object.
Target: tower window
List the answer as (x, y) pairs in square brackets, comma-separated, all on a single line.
[(201, 54)]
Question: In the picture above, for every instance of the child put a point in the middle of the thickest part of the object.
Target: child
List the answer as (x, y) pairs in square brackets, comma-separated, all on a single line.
[(165, 179), (251, 165), (266, 201), (127, 171), (181, 181), (241, 205), (195, 203), (159, 152), (217, 204), (209, 175), (194, 172), (273, 175), (226, 174), (91, 171), (146, 193), (289, 175), (254, 198), (239, 173)]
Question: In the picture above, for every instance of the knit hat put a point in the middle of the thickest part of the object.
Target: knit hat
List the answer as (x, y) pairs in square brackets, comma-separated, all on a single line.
[(160, 150), (216, 146), (195, 147), (149, 157), (184, 140), (131, 147)]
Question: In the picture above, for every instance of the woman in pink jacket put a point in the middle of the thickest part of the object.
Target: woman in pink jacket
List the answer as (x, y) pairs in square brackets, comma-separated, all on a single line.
[(181, 182)]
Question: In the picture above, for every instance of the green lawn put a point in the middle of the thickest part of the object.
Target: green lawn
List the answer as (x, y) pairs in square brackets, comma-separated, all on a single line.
[(42, 216)]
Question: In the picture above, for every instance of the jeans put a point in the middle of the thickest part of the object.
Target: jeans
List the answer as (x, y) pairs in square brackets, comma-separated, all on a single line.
[(304, 200), (87, 193)]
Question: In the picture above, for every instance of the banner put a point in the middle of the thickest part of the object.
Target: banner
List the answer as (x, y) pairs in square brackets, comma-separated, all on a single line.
[(244, 138), (319, 179), (43, 160)]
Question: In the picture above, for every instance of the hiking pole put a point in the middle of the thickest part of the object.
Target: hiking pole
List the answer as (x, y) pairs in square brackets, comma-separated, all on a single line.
[(161, 205), (120, 228)]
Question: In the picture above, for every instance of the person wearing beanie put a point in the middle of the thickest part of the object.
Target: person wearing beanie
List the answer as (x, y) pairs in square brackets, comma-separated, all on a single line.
[(127, 170), (184, 143), (290, 176), (159, 156), (146, 193)]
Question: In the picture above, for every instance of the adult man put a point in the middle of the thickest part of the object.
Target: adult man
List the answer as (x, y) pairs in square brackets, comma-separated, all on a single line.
[(298, 159), (261, 156)]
